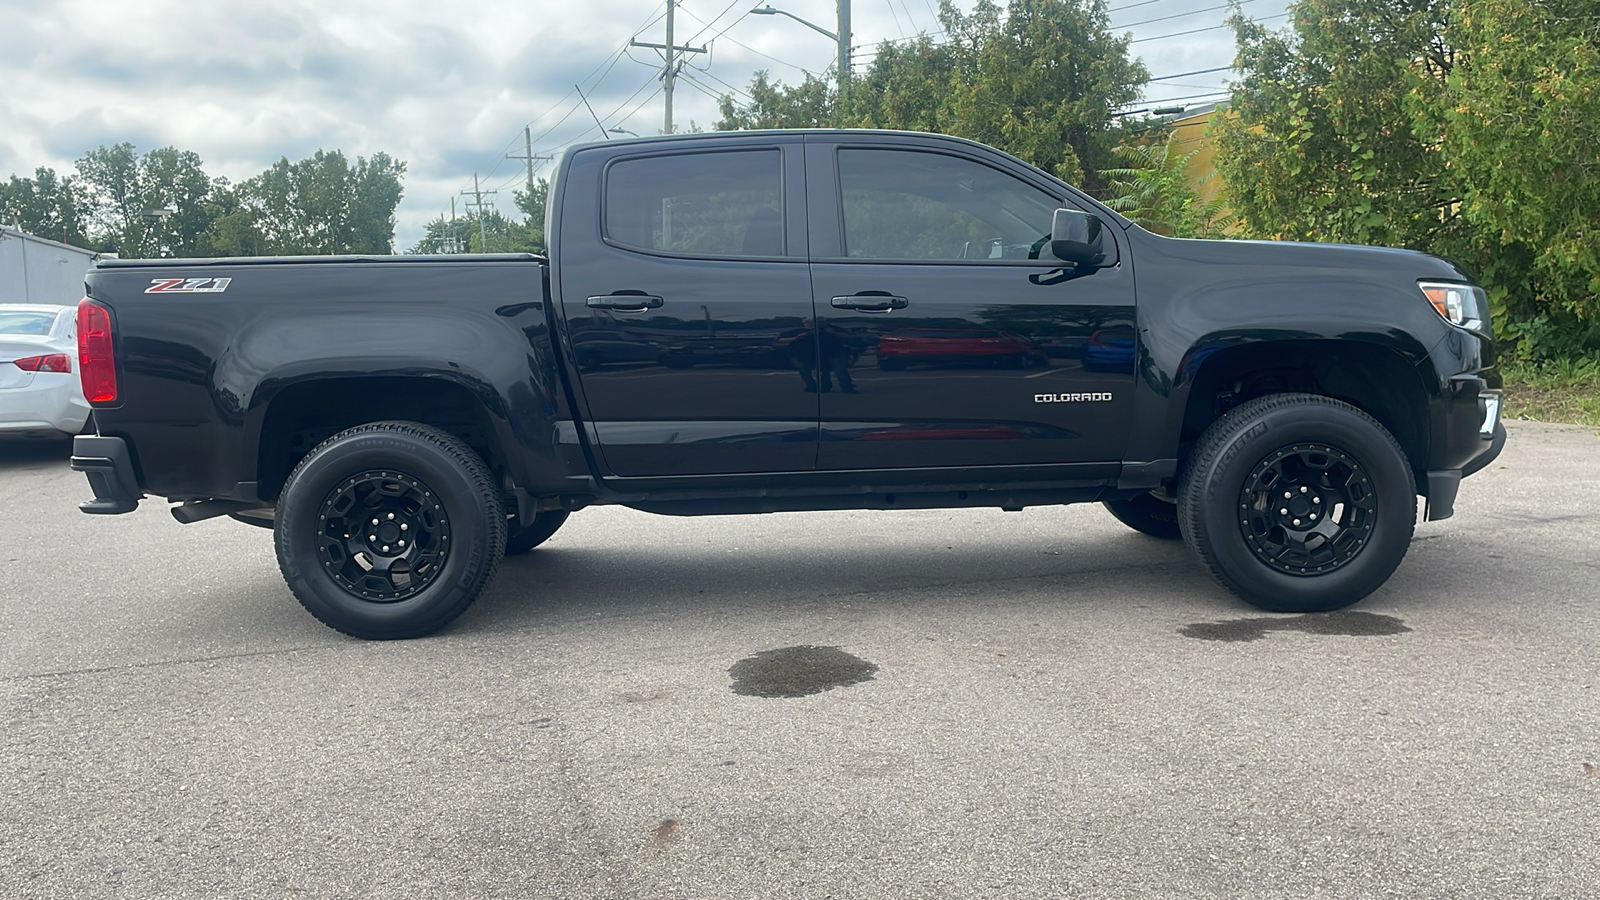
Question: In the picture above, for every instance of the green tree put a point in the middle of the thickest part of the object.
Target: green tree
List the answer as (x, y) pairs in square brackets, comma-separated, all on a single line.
[(809, 104), (1318, 146), (532, 203), (1039, 80), (1155, 190), (47, 205), (1466, 128), (1517, 123), (158, 204), (462, 235), (324, 205)]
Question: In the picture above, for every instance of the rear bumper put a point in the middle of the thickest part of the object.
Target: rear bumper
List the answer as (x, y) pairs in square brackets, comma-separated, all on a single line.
[(107, 463)]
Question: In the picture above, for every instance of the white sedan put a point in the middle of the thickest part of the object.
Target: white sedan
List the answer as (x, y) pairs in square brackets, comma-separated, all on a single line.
[(39, 390)]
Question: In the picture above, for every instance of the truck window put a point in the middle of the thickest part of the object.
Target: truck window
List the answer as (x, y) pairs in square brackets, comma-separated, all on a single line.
[(902, 204), (701, 204)]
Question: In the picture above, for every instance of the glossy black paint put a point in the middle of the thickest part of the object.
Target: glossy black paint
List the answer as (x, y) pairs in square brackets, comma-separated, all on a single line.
[(712, 378), (199, 372), (978, 365), (701, 404)]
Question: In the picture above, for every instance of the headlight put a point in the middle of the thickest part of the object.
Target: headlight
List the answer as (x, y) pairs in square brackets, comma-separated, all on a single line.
[(1464, 304)]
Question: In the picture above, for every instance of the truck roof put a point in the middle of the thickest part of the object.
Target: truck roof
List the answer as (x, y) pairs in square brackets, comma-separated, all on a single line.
[(436, 259)]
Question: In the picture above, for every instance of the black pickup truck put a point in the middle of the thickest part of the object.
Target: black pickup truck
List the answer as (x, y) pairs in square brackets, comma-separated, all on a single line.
[(796, 320)]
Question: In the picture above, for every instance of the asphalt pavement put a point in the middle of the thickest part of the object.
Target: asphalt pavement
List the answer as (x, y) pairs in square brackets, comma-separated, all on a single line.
[(919, 704)]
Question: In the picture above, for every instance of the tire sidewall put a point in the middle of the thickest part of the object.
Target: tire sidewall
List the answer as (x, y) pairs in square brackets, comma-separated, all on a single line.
[(295, 535), (1253, 438)]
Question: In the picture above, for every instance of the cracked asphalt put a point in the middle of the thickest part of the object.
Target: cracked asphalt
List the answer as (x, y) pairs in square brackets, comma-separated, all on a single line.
[(853, 705)]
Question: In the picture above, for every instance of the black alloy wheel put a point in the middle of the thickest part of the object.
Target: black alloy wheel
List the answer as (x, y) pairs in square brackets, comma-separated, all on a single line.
[(383, 536), (389, 530), (1298, 502), (1307, 509)]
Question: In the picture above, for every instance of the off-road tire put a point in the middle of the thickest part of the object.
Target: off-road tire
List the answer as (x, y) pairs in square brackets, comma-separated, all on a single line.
[(1147, 514), (1227, 529), (421, 464), (545, 524)]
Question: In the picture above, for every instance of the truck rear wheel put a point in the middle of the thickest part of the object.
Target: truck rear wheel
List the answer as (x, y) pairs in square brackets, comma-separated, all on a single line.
[(389, 530), (1298, 503), (522, 539)]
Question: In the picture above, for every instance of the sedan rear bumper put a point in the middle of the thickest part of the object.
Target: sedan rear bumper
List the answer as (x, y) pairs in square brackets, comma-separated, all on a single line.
[(105, 460)]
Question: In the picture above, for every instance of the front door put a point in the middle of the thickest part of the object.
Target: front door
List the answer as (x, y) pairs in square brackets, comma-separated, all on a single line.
[(949, 334), (688, 309)]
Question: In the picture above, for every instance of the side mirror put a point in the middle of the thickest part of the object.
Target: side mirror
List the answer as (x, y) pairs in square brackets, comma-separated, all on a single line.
[(1079, 238)]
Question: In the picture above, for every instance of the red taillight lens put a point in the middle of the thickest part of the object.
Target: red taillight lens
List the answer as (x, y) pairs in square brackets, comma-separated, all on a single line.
[(98, 368), (55, 362)]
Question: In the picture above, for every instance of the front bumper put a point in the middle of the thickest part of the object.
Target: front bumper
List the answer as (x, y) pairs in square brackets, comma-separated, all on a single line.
[(1486, 444), (110, 469)]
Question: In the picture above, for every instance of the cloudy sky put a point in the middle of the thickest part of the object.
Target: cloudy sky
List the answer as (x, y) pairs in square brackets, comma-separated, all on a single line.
[(446, 87)]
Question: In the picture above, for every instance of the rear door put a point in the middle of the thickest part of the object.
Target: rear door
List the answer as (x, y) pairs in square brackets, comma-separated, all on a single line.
[(687, 302), (950, 335)]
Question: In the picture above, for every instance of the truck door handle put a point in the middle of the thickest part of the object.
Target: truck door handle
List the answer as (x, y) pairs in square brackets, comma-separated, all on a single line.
[(870, 301), (625, 301)]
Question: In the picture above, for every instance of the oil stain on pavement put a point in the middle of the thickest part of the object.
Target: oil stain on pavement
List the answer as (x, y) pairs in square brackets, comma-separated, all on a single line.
[(1340, 622), (798, 672)]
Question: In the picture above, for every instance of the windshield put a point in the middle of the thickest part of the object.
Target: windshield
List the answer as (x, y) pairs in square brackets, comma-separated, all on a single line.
[(30, 323)]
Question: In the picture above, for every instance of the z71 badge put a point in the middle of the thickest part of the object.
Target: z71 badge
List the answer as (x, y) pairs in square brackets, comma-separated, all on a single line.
[(188, 285), (1096, 397)]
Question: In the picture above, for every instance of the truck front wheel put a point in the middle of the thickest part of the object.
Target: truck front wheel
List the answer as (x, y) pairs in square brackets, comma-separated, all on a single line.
[(1298, 503), (389, 530)]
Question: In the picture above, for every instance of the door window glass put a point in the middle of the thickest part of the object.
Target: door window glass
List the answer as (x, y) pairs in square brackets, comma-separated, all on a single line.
[(901, 204), (712, 204)]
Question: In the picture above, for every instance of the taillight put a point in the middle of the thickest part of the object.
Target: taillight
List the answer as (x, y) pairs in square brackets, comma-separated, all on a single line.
[(95, 363), (55, 362)]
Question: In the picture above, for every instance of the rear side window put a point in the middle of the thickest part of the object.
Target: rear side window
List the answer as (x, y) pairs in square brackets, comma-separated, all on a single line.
[(702, 204), (32, 323)]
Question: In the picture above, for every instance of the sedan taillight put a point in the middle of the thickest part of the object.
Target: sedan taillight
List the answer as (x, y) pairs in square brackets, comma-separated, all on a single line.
[(95, 362), (55, 362)]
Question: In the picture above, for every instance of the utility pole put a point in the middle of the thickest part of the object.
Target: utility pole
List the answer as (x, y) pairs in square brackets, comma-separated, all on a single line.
[(669, 72), (844, 48), (477, 200), (453, 242), (527, 136)]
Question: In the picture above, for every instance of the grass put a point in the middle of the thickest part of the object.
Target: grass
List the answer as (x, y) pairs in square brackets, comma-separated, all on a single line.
[(1561, 391)]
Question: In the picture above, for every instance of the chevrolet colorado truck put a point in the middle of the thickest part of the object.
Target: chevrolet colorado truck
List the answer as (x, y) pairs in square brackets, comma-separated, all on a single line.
[(793, 320)]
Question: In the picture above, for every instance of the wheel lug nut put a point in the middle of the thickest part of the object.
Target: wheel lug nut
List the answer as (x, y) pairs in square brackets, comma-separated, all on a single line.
[(1316, 499), (1302, 490), (404, 527), (402, 543), (372, 537), (1284, 511), (1287, 495), (1296, 521), (375, 521), (386, 548), (1313, 517)]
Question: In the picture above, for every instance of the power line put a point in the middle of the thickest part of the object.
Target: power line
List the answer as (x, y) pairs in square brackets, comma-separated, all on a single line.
[(737, 42), (607, 64), (1181, 15), (1159, 37), (714, 20), (1195, 72)]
